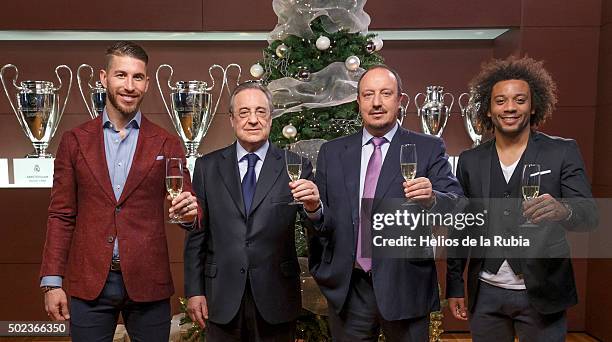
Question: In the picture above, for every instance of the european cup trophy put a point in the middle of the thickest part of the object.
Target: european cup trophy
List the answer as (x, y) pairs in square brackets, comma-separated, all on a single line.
[(468, 112), (433, 111), (96, 95), (190, 107), (38, 108)]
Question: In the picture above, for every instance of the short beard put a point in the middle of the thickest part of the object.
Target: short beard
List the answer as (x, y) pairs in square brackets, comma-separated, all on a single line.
[(113, 100)]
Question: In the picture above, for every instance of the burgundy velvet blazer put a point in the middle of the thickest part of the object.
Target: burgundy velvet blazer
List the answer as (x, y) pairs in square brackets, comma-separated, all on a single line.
[(85, 218)]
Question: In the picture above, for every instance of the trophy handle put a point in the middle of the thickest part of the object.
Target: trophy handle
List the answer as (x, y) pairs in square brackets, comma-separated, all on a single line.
[(59, 117), (461, 106), (223, 83), (416, 103), (229, 91), (161, 92), (403, 108), (80, 84), (8, 96), (449, 108)]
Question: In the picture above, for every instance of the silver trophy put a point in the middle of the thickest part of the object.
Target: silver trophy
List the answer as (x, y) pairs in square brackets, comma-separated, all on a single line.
[(468, 112), (191, 108), (38, 108), (433, 111), (403, 108), (96, 99)]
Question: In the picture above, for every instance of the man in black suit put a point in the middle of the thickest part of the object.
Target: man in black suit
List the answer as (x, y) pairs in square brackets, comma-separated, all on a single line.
[(366, 294), (241, 268), (510, 296)]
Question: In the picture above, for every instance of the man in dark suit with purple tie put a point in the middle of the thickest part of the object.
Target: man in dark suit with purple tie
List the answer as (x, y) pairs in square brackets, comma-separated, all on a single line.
[(366, 294)]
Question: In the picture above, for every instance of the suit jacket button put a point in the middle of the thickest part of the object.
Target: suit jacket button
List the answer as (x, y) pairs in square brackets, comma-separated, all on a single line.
[(110, 239), (117, 208), (247, 243), (242, 270), (506, 212)]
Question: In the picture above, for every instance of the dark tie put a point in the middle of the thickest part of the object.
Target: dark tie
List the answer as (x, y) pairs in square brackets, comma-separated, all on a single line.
[(249, 181), (364, 257)]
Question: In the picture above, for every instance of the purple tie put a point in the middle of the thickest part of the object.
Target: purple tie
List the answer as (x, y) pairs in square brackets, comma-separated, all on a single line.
[(369, 189)]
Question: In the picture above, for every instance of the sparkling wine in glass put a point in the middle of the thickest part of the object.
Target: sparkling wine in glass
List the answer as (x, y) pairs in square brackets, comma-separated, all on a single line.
[(293, 161), (174, 181), (408, 164), (530, 185)]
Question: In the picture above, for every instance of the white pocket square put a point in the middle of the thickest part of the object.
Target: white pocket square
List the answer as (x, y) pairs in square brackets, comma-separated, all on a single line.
[(159, 158), (541, 173)]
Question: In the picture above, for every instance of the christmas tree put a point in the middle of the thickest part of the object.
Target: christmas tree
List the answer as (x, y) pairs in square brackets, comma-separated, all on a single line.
[(317, 53)]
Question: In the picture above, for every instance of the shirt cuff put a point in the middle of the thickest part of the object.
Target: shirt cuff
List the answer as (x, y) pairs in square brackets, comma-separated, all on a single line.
[(317, 215), (190, 226), (51, 281)]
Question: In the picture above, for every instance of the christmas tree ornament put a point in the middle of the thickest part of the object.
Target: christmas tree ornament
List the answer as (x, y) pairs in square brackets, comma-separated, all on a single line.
[(303, 74), (323, 43), (257, 70), (378, 42), (289, 131), (352, 63), (370, 46), (282, 50)]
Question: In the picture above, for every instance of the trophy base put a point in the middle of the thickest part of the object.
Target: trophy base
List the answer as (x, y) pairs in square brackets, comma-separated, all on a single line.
[(37, 155), (40, 151)]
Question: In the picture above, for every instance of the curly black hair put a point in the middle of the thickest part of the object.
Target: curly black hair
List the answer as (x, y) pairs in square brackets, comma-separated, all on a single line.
[(543, 88)]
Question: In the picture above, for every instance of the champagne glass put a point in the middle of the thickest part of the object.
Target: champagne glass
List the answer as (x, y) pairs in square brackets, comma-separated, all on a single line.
[(294, 169), (174, 181), (530, 185), (408, 164)]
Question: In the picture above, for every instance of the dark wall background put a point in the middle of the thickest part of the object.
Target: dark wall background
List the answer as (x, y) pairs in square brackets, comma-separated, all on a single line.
[(598, 275), (573, 37)]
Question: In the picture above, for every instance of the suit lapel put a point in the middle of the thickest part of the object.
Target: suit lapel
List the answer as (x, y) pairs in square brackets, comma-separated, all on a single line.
[(270, 170), (533, 149), (228, 170), (391, 165), (351, 165), (485, 169), (149, 145), (92, 149)]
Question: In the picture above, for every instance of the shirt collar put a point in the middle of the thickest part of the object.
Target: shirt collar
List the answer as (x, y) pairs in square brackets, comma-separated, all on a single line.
[(365, 139), (260, 152), (134, 123)]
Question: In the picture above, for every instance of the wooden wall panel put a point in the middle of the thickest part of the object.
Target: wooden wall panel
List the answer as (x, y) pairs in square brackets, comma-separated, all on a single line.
[(385, 14), (605, 67), (23, 226), (575, 123), (507, 44), (564, 13), (598, 298), (241, 15), (571, 56), (606, 12), (113, 15), (21, 297), (399, 14), (603, 149)]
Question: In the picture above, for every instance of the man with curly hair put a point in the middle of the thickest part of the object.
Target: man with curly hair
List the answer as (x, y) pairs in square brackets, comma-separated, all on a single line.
[(509, 296)]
